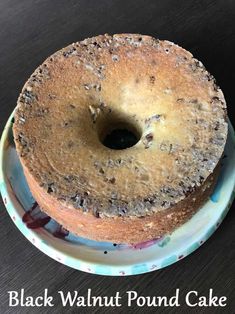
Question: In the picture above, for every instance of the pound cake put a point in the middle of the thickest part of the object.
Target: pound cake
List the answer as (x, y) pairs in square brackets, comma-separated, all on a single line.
[(152, 89)]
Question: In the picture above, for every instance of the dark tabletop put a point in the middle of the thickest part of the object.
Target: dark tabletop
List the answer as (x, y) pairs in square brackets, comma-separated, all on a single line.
[(32, 30)]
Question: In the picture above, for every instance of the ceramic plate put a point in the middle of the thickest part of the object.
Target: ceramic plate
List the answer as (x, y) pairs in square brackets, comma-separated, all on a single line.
[(110, 258)]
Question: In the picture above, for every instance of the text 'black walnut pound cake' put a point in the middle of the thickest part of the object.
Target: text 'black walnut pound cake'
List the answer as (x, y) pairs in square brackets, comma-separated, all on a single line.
[(120, 136)]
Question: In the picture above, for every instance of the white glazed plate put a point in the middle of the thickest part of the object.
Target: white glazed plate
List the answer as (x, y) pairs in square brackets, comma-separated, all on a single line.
[(108, 258)]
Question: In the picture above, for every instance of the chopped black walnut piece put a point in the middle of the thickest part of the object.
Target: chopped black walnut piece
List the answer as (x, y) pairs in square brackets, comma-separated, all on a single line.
[(147, 141), (152, 79)]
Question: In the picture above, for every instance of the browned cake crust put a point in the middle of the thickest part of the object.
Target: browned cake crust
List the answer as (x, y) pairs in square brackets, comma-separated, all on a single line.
[(156, 88)]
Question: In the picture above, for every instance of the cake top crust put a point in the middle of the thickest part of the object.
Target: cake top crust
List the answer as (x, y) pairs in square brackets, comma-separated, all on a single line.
[(155, 87)]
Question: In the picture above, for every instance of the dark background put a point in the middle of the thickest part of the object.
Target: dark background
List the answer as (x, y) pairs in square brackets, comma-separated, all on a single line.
[(32, 30)]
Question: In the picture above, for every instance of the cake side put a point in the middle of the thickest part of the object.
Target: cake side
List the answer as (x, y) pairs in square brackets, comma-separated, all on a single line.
[(121, 229)]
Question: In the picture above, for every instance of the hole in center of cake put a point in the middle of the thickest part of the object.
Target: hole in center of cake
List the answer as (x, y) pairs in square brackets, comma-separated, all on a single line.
[(120, 139), (119, 135)]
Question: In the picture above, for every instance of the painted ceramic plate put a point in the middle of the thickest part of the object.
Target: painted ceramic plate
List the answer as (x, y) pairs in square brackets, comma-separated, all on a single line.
[(110, 258)]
